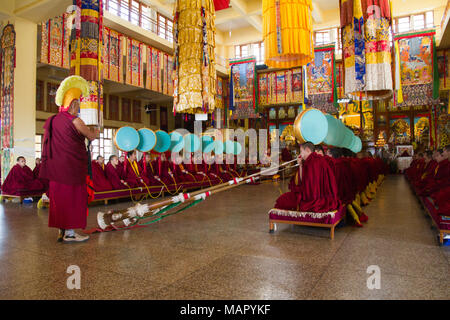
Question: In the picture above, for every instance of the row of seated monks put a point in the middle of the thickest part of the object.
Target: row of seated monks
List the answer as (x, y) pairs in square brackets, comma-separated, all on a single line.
[(326, 181), (149, 172), (429, 174), (21, 180)]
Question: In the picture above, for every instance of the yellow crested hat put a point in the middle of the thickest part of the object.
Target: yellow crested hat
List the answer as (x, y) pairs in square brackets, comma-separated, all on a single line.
[(71, 88)]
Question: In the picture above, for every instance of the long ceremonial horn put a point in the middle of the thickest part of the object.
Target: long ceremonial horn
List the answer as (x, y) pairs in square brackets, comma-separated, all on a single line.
[(105, 219)]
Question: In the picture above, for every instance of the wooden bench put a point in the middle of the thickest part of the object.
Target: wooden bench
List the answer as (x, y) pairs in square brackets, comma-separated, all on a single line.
[(322, 220)]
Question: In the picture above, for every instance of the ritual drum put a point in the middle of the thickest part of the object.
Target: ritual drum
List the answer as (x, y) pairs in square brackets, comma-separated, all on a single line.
[(126, 139), (147, 140), (163, 141), (176, 141), (335, 135), (207, 144), (311, 125), (357, 146), (191, 142), (348, 138)]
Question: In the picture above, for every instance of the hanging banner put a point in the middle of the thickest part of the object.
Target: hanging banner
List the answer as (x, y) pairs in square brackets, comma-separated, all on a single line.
[(321, 83), (443, 58), (135, 63), (418, 68), (86, 58), (219, 94), (243, 89), (112, 55), (7, 65), (55, 38)]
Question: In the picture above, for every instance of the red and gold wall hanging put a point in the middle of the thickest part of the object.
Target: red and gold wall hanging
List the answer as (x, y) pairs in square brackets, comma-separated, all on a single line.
[(366, 28), (135, 63), (153, 69), (243, 83), (443, 58), (112, 55), (7, 65), (55, 37), (86, 58), (194, 65)]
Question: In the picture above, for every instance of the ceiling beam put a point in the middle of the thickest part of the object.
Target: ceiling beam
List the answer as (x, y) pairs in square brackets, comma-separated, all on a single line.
[(241, 7)]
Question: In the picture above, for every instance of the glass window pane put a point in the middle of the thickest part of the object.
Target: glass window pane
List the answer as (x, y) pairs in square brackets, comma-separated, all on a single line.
[(419, 21), (430, 19), (403, 24), (237, 52)]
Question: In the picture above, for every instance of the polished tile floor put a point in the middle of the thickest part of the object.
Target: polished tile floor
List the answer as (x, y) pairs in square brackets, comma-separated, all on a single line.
[(221, 249)]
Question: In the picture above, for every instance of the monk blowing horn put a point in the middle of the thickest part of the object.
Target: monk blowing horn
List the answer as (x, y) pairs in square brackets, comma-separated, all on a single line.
[(105, 219)]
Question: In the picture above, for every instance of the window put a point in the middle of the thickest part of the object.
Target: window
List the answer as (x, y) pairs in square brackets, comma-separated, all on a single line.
[(113, 108), (165, 27), (414, 22), (103, 146), (250, 49), (141, 15), (40, 95), (51, 94), (126, 110), (329, 36), (137, 111), (153, 114), (38, 145)]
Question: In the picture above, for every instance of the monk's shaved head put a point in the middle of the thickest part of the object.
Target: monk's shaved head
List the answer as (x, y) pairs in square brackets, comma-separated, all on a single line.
[(21, 161), (319, 149), (112, 157), (308, 145)]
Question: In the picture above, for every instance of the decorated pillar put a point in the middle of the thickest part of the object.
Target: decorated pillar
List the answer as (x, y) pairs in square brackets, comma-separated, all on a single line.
[(86, 56), (194, 59)]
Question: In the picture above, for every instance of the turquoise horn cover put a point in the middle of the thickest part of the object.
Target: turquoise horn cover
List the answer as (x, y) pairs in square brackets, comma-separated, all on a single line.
[(147, 140), (162, 141)]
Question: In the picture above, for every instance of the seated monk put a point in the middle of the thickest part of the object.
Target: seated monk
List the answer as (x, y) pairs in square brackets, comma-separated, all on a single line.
[(166, 174), (182, 175), (428, 170), (113, 172), (101, 183), (131, 173), (286, 154), (194, 169), (441, 201), (440, 177), (149, 170), (315, 188), (20, 180), (213, 177), (36, 171)]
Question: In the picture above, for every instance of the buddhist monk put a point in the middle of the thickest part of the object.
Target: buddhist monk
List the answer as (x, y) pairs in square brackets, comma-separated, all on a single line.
[(114, 173), (20, 180), (148, 170), (428, 170), (131, 173), (65, 161), (36, 171), (101, 183), (286, 154), (315, 189), (440, 177)]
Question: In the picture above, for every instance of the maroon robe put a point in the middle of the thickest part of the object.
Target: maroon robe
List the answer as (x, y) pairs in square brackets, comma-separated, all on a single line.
[(132, 178), (65, 164), (21, 181), (439, 180), (286, 155), (317, 189), (149, 172), (101, 183), (114, 176), (428, 172), (36, 171)]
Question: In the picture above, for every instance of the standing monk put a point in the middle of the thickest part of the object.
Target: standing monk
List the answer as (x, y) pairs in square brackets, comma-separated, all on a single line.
[(65, 161)]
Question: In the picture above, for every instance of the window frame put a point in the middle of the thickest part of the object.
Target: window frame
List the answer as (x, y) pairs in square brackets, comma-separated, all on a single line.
[(261, 50), (411, 27)]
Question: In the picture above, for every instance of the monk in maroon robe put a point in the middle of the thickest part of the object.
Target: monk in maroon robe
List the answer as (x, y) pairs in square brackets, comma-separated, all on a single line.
[(148, 170), (317, 188), (286, 155), (20, 180), (36, 171), (65, 165), (428, 171), (441, 177), (113, 172), (131, 173), (101, 183)]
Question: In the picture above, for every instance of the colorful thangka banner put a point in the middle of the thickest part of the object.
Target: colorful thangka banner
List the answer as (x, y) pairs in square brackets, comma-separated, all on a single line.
[(443, 58), (55, 38), (112, 55), (135, 64), (280, 87), (7, 65), (153, 70), (243, 89), (321, 80), (219, 94), (418, 68)]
